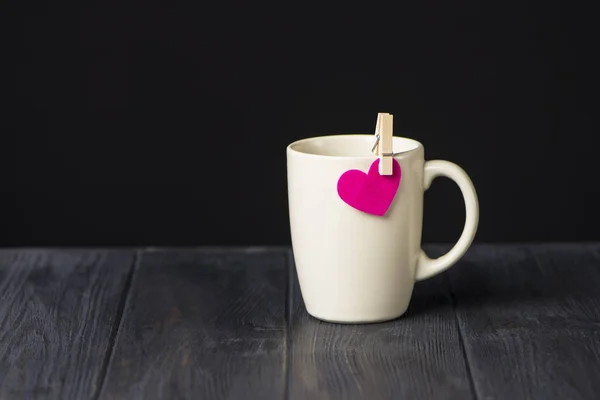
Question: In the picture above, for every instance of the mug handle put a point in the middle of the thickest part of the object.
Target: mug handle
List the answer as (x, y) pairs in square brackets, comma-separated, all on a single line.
[(427, 267)]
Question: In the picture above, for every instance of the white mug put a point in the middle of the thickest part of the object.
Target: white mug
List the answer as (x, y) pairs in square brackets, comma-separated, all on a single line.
[(356, 267)]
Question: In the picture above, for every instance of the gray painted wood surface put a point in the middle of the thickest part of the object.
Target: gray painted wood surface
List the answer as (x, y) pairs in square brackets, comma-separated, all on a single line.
[(203, 325), (58, 314), (507, 322), (530, 316)]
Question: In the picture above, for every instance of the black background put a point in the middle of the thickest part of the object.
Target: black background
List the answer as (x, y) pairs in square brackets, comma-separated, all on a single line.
[(166, 123)]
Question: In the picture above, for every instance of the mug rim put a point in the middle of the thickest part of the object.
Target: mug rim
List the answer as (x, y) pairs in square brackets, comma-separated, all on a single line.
[(290, 147)]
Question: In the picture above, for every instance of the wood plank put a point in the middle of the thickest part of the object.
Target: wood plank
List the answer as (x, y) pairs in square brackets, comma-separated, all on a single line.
[(58, 313), (203, 325), (531, 320), (418, 356)]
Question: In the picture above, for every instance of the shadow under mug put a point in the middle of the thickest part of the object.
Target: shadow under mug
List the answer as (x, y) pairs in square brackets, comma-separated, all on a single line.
[(355, 267)]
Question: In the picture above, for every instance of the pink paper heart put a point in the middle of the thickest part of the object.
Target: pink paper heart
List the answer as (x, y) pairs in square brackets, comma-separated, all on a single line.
[(371, 193)]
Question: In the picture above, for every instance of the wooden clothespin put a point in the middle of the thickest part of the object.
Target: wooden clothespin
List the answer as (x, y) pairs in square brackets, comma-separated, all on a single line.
[(383, 145)]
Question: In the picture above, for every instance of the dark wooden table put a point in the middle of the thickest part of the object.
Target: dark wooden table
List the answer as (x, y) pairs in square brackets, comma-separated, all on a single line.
[(507, 322)]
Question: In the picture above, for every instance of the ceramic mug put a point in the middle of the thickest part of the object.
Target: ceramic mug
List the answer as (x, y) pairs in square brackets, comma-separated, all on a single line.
[(353, 266)]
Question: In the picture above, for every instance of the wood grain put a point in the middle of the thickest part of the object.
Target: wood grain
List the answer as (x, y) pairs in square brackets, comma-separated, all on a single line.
[(57, 312), (203, 325), (530, 316), (418, 356)]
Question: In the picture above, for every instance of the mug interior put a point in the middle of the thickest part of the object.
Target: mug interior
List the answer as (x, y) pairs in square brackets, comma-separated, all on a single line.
[(358, 145)]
